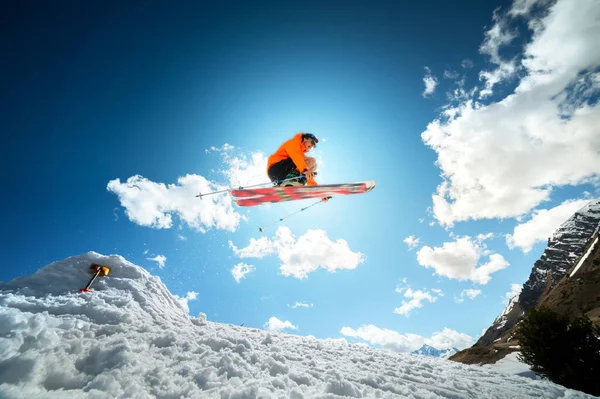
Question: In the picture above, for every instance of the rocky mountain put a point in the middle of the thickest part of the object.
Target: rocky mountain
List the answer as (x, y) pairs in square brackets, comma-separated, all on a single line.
[(427, 350), (573, 244)]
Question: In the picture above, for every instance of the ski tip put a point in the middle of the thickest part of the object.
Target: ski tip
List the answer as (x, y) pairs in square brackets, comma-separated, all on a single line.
[(370, 185)]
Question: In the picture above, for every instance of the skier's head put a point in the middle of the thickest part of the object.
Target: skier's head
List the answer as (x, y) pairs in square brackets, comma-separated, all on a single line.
[(309, 141)]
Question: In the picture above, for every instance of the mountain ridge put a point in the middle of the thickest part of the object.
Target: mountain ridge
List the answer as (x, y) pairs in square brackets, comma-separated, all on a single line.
[(567, 247)]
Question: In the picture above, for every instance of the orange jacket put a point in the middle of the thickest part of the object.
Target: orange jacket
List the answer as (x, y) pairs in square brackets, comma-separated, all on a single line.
[(294, 149)]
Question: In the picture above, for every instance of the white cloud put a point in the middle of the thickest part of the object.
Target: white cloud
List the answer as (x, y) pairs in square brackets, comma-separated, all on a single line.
[(181, 237), (190, 296), (299, 257), (515, 289), (542, 224), (301, 305), (468, 293), (274, 324), (257, 248), (240, 270), (430, 81), (416, 300), (412, 242), (502, 159), (392, 340), (483, 237), (504, 71), (438, 291), (523, 7), (245, 170), (499, 35), (160, 259), (153, 204), (448, 338), (459, 260)]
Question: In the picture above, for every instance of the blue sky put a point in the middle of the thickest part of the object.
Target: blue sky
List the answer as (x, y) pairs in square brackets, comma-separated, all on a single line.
[(458, 112)]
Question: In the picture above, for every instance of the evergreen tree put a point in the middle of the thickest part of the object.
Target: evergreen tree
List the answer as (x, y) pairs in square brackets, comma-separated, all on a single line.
[(566, 352)]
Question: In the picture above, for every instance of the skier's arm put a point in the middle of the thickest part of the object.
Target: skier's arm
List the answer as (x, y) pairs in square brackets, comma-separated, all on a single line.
[(296, 154)]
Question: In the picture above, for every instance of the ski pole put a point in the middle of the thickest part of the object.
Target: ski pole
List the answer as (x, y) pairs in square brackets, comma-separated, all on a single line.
[(276, 182), (261, 229), (96, 270)]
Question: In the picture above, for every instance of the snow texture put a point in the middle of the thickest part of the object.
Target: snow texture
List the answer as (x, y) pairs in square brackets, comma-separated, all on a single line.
[(510, 364), (131, 338), (565, 246), (585, 256)]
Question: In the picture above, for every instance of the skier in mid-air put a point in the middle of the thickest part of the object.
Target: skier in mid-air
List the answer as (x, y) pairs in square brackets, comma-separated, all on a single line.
[(289, 162), (289, 166)]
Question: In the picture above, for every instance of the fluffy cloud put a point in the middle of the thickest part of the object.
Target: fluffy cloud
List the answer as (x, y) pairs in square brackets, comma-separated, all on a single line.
[(542, 224), (190, 296), (261, 247), (416, 299), (240, 270), (469, 293), (299, 257), (459, 260), (153, 204), (448, 338), (499, 35), (430, 83), (245, 170), (160, 259), (393, 340), (502, 159), (411, 241), (274, 324), (483, 237)]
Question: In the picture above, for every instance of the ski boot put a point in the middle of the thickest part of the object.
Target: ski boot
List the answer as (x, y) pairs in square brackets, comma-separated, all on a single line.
[(300, 181)]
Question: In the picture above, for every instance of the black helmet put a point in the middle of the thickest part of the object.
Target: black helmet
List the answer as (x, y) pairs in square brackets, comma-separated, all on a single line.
[(311, 137)]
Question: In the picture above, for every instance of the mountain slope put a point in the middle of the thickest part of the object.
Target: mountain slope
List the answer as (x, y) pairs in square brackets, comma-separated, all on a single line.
[(427, 350), (569, 243), (132, 338)]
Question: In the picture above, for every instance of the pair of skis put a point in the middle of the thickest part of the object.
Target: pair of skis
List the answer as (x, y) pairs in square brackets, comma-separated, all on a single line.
[(259, 196)]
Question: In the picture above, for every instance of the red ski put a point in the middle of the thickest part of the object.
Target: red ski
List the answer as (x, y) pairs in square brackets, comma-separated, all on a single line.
[(258, 196)]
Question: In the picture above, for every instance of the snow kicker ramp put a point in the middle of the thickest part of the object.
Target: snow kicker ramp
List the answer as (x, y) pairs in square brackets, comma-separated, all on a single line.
[(131, 338)]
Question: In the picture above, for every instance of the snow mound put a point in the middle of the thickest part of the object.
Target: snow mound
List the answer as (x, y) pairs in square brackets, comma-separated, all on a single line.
[(131, 338)]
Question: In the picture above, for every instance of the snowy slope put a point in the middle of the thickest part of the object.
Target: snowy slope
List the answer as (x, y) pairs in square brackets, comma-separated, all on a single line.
[(132, 339)]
